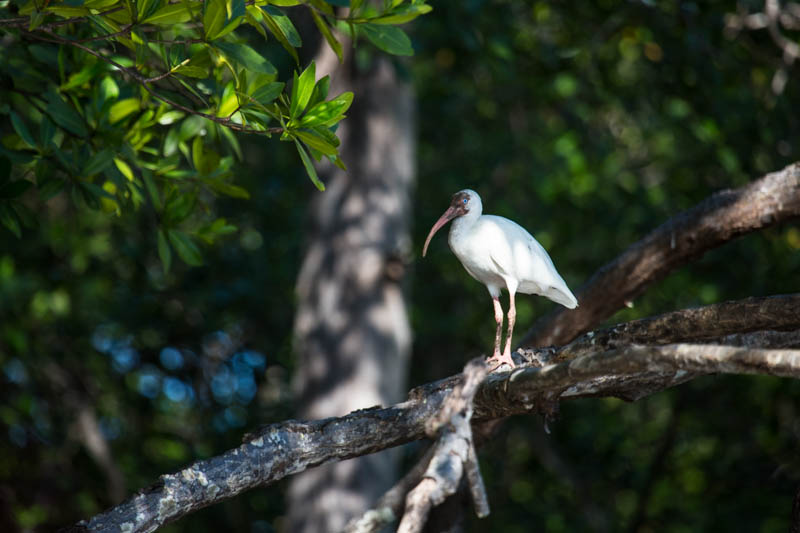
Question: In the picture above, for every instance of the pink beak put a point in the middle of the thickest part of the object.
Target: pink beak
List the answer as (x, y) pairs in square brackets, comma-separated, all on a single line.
[(448, 215)]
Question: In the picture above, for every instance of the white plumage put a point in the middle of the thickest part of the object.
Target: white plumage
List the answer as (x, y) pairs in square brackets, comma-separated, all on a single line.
[(500, 254)]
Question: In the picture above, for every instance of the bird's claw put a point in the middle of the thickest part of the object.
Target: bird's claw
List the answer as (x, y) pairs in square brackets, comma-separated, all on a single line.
[(497, 360)]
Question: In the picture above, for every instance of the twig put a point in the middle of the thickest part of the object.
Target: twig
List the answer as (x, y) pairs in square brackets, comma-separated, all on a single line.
[(454, 453), (390, 505)]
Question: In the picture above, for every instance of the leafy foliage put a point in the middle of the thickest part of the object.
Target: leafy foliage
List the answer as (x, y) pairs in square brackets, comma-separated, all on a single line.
[(145, 98)]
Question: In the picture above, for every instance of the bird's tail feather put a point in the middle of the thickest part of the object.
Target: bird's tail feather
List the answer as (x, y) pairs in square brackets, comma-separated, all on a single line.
[(562, 296)]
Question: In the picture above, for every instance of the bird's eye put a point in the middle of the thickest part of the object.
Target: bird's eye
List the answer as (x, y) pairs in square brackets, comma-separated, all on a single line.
[(465, 200)]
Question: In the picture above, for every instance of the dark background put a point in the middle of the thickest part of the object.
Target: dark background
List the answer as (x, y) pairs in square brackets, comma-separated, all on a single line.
[(589, 123)]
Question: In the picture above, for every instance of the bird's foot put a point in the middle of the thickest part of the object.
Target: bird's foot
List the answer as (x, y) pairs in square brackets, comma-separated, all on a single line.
[(497, 360)]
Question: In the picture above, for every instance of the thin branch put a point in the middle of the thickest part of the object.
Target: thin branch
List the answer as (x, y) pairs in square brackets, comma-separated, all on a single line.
[(22, 22), (724, 216), (453, 457), (390, 505), (145, 82)]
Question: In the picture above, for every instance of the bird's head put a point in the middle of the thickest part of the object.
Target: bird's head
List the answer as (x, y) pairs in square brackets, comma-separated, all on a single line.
[(463, 202)]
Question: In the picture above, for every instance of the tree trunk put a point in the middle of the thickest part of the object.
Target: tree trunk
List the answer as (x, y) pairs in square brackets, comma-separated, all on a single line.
[(353, 338)]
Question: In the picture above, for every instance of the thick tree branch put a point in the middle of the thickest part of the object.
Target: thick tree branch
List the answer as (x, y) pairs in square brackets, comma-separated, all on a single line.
[(279, 450), (710, 323), (723, 216)]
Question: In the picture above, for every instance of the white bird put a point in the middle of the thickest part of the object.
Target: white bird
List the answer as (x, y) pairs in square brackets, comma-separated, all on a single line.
[(500, 253)]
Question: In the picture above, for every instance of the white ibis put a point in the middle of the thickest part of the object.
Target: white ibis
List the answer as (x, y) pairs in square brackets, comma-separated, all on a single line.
[(500, 253)]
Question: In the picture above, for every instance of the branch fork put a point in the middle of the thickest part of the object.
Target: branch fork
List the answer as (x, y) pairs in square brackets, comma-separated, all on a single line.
[(454, 454)]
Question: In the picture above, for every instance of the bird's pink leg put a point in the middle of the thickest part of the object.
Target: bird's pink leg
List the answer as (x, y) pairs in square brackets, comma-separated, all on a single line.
[(512, 318), (498, 318), (497, 358)]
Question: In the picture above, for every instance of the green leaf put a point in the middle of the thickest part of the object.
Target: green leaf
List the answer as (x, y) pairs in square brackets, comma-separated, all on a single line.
[(22, 129), (267, 93), (197, 152), (83, 76), (65, 115), (279, 34), (37, 17), (98, 162), (390, 39), (192, 71), (228, 102), (152, 190), (25, 215), (13, 189), (327, 113), (145, 8), (179, 208), (404, 14), (302, 89), (172, 14), (320, 91), (122, 108), (326, 32), (222, 17), (322, 6), (316, 142), (285, 25), (326, 134), (99, 4), (50, 188), (186, 247), (228, 189), (214, 18), (47, 131), (164, 251), (205, 160), (91, 195), (310, 170), (247, 57), (124, 168), (10, 220), (67, 11)]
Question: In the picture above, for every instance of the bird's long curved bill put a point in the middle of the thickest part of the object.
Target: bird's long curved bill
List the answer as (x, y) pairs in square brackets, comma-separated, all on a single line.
[(444, 219)]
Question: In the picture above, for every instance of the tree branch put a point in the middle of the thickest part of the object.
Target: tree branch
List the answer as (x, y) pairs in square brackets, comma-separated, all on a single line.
[(702, 324), (723, 216), (389, 506), (453, 457), (282, 449)]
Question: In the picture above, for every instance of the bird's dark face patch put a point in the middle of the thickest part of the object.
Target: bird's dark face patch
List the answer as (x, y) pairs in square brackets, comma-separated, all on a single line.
[(460, 203)]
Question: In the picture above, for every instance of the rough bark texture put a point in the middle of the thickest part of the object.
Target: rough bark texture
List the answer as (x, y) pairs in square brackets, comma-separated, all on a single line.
[(353, 338), (279, 450), (723, 216), (703, 324)]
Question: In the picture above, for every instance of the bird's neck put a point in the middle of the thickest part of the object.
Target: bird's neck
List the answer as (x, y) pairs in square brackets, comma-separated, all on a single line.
[(462, 225)]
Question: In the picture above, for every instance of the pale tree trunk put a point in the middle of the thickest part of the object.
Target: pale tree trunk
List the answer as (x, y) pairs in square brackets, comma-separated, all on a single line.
[(353, 338)]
